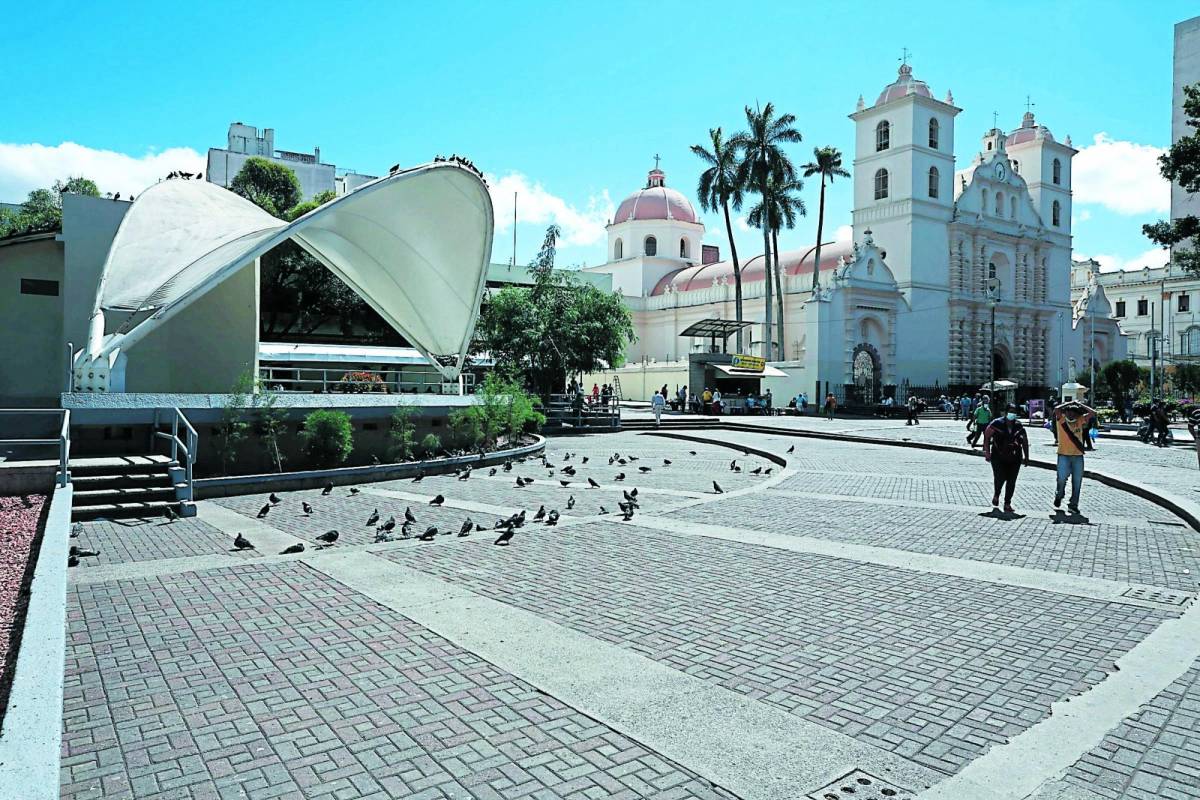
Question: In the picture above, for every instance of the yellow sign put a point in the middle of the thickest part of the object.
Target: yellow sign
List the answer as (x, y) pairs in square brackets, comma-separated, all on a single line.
[(752, 363)]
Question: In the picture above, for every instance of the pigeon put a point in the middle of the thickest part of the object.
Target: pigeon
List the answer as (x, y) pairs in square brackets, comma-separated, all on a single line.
[(634, 492), (737, 469), (552, 518), (374, 518), (76, 529), (666, 462), (429, 533), (388, 526), (564, 484), (569, 471), (592, 483), (603, 510), (328, 537), (327, 490), (584, 461), (504, 538), (520, 483), (611, 461), (491, 472), (508, 466), (464, 474), (633, 458), (541, 512), (353, 490), (622, 461), (792, 449), (408, 516), (81, 553), (733, 464), (307, 508), (756, 471), (240, 542), (717, 488), (290, 551), (466, 527), (479, 527), (170, 514), (419, 478), (643, 470), (620, 476), (520, 518), (262, 512), (275, 499), (375, 460), (768, 470), (570, 502), (437, 501), (72, 561), (691, 452)]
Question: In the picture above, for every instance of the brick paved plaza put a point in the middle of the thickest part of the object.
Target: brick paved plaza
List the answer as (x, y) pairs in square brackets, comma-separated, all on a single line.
[(853, 610)]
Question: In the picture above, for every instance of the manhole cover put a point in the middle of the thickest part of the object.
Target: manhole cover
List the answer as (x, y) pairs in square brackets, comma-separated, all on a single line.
[(1157, 596), (860, 785)]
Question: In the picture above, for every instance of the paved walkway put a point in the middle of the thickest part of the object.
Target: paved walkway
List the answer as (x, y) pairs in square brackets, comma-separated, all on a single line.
[(852, 620)]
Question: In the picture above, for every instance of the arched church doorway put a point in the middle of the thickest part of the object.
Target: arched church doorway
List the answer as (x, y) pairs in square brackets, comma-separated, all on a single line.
[(866, 372), (1000, 364)]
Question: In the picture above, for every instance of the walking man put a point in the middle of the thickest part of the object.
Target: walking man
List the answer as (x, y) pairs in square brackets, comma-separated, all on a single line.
[(980, 417), (1005, 447), (656, 405), (830, 406), (914, 409), (1071, 421)]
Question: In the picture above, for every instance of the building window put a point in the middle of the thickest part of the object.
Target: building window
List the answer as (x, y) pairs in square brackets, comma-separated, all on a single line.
[(1016, 167), (933, 134), (683, 248), (618, 250), (999, 204), (883, 136), (1185, 303), (1012, 207), (1056, 214), (1143, 307), (38, 286), (1056, 170), (1120, 308), (991, 270), (651, 248), (1189, 341), (933, 180), (881, 184)]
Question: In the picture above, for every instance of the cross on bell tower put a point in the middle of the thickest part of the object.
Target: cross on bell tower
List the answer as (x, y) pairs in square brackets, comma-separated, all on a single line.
[(656, 160), (904, 54)]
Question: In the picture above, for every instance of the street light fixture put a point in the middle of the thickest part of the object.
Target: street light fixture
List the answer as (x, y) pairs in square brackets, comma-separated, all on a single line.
[(993, 291)]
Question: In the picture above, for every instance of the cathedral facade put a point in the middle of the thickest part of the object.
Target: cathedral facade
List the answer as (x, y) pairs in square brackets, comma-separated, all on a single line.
[(950, 274)]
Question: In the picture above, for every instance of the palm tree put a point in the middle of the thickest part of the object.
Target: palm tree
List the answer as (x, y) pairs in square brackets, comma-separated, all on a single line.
[(828, 164), (763, 159), (719, 188), (782, 207)]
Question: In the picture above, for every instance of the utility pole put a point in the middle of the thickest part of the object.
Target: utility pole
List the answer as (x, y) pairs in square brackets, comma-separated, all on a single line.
[(514, 255), (993, 287)]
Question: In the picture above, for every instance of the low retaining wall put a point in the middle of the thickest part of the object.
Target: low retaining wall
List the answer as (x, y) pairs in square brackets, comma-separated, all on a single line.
[(349, 476), (27, 477), (31, 736)]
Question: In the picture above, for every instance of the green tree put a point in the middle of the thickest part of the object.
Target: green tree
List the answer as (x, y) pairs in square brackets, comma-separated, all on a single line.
[(1187, 378), (782, 206), (557, 327), (402, 435), (1121, 378), (328, 437), (763, 159), (270, 424), (430, 445), (79, 185), (234, 427), (42, 210), (1181, 165), (827, 162), (300, 209), (272, 187), (719, 188)]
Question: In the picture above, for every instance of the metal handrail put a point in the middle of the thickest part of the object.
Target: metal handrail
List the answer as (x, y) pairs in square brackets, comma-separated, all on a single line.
[(189, 448), (63, 441), (302, 378)]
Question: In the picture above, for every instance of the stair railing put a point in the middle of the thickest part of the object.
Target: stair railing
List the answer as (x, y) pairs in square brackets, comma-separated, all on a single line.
[(63, 441), (188, 446)]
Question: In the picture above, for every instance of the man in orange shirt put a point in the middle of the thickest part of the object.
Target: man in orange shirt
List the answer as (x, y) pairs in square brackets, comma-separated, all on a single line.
[(1071, 423)]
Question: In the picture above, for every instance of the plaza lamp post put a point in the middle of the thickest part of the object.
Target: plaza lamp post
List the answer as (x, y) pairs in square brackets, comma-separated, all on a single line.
[(993, 290)]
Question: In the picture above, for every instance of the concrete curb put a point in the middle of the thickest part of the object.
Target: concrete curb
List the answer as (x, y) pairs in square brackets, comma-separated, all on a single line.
[(1186, 510), (207, 488), (31, 739), (777, 460)]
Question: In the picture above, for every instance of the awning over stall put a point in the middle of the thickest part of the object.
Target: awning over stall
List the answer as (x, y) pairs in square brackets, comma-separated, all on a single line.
[(766, 372)]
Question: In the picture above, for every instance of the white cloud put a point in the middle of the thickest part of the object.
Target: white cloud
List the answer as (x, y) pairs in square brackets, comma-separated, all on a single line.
[(1153, 258), (741, 224), (1083, 215), (844, 233), (1121, 176), (537, 206), (25, 167)]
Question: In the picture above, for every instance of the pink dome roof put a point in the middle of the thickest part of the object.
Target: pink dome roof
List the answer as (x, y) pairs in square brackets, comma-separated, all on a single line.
[(656, 201), (904, 85), (794, 262), (1028, 131)]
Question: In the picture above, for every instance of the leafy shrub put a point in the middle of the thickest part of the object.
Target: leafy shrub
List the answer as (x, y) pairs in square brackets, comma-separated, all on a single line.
[(430, 445), (328, 437), (466, 428), (361, 382), (402, 436)]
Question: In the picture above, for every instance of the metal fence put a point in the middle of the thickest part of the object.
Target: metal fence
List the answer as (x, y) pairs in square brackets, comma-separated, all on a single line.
[(62, 441)]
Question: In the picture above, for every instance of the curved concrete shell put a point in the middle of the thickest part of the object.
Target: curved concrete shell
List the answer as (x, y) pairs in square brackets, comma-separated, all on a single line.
[(415, 245)]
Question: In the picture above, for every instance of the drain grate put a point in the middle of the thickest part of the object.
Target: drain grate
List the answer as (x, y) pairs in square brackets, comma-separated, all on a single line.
[(860, 785), (1157, 596)]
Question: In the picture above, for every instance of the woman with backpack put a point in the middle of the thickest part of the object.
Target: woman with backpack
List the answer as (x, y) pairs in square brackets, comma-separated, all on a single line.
[(1005, 447)]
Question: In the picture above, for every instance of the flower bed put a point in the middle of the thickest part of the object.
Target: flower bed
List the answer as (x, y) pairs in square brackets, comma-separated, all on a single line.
[(21, 520)]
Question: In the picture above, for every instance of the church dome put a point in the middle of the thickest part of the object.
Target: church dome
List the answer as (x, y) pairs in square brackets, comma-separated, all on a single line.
[(904, 85), (656, 201), (1028, 131), (793, 262)]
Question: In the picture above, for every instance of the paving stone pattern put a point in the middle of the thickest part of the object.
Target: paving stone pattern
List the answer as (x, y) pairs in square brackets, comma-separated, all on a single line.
[(129, 540), (1152, 755), (272, 681), (933, 668), (1166, 556)]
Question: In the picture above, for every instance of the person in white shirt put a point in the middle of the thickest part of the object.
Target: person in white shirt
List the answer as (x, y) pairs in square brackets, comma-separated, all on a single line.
[(717, 401), (656, 405)]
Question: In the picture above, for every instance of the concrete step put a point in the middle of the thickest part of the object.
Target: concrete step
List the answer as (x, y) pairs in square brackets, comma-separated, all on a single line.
[(85, 483), (149, 509), (110, 465), (125, 494)]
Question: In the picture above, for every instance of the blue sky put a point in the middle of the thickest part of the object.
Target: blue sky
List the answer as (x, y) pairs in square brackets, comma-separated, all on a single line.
[(570, 101)]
